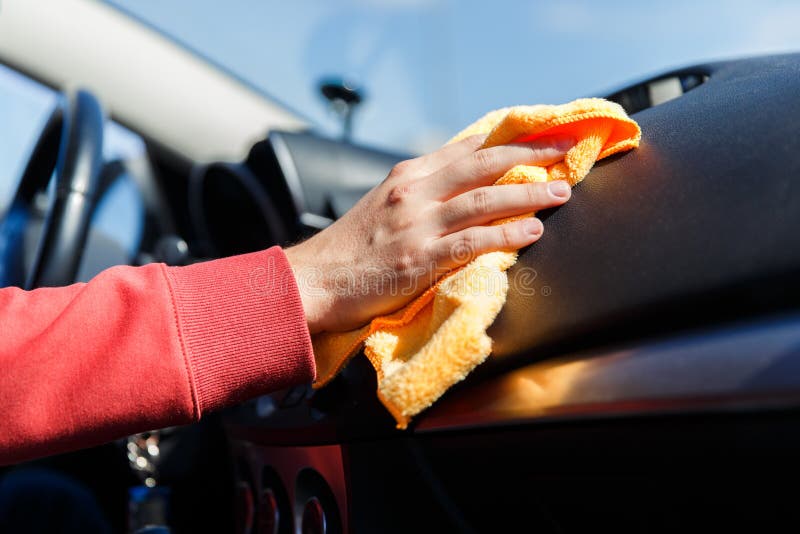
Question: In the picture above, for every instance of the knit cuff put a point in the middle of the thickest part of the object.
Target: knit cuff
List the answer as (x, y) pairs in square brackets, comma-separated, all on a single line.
[(242, 327)]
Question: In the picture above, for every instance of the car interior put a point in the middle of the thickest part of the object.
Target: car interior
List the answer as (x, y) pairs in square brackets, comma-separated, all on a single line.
[(650, 382)]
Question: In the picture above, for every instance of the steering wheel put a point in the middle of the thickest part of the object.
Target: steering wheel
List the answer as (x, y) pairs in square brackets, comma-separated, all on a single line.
[(72, 143)]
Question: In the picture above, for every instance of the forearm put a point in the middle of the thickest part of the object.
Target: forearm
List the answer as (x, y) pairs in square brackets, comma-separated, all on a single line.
[(147, 347)]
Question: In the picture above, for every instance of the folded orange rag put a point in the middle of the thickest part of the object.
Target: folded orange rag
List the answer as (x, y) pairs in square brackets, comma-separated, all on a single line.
[(433, 342)]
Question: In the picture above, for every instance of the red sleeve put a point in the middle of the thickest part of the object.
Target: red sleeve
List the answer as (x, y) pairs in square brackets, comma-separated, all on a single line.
[(139, 348)]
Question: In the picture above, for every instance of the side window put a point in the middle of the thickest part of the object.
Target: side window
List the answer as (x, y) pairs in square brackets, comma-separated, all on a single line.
[(25, 105), (120, 212)]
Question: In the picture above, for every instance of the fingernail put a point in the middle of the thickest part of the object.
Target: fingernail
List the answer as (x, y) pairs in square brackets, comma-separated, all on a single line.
[(559, 189), (533, 227)]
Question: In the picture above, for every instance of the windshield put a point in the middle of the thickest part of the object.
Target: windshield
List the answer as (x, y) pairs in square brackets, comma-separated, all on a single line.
[(429, 67)]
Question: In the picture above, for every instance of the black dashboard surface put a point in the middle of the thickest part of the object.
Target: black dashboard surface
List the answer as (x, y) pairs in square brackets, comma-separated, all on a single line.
[(698, 225)]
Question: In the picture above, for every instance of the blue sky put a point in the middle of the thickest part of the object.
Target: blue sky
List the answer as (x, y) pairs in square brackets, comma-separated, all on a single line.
[(432, 66)]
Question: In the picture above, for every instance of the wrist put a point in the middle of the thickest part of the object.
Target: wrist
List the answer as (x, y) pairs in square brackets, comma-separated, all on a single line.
[(308, 278)]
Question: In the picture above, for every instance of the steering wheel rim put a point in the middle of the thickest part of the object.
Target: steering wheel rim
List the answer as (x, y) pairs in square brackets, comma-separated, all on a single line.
[(72, 143)]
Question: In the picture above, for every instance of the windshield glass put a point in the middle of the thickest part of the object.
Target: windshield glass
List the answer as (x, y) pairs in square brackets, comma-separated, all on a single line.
[(429, 67)]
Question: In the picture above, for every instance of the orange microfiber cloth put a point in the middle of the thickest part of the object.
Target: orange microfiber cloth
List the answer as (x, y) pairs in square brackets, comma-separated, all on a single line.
[(433, 342)]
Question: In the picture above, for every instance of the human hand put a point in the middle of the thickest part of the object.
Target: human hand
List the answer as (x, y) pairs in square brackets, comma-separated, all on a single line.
[(430, 215)]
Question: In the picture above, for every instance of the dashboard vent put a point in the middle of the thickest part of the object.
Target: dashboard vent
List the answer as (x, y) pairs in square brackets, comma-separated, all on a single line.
[(654, 92)]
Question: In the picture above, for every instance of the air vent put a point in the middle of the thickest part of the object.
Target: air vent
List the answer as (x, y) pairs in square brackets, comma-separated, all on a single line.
[(274, 510), (654, 92), (316, 509)]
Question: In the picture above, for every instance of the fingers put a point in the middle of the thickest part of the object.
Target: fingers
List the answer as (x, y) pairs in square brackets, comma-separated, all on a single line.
[(446, 155), (462, 247), (485, 204), (485, 166)]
